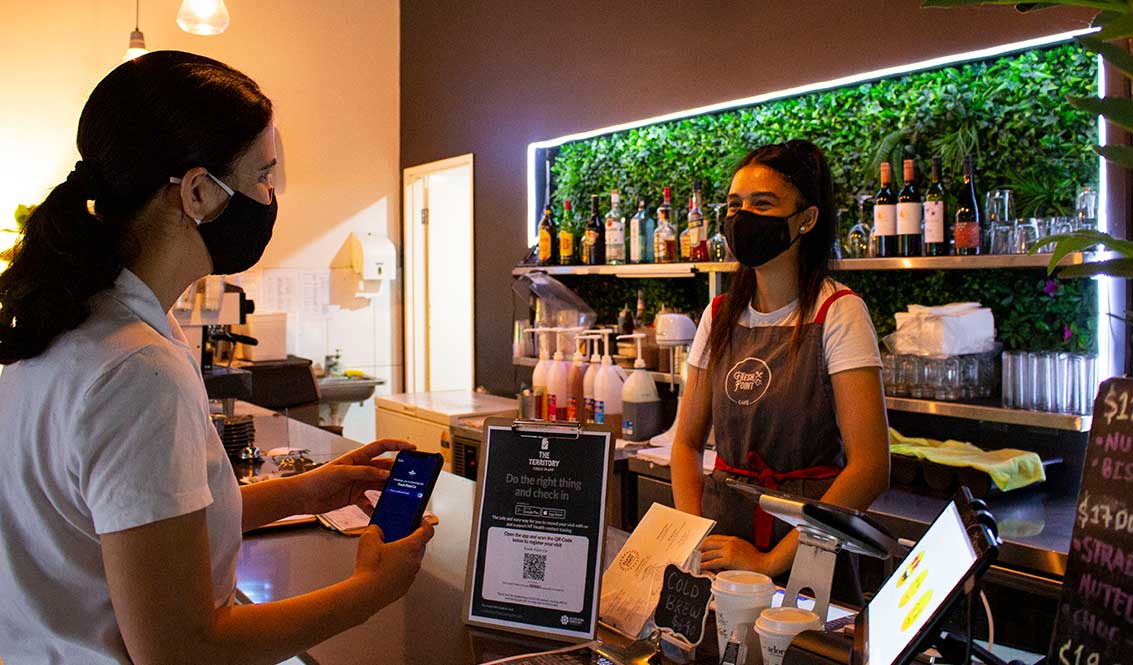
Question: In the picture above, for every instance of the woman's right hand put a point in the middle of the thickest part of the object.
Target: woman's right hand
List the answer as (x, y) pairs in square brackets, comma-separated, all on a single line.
[(390, 568)]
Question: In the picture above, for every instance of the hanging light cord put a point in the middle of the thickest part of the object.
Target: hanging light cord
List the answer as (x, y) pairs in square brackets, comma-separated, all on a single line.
[(137, 9)]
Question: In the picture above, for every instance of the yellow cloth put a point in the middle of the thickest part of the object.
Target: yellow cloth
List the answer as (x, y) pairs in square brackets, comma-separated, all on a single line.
[(1009, 469)]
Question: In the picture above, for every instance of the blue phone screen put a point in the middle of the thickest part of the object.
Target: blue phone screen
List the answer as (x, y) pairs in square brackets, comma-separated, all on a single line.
[(406, 491)]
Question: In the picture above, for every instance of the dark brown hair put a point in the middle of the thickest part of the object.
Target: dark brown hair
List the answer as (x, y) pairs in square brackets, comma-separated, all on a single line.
[(804, 165), (153, 117)]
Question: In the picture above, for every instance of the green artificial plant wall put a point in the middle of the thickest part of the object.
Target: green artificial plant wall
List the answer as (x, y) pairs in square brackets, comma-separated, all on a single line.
[(1011, 113)]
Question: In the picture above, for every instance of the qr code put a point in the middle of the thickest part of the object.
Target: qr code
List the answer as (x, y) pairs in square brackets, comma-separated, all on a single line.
[(534, 566)]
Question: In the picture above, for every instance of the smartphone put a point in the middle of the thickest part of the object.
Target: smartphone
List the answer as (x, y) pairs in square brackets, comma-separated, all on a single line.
[(406, 493)]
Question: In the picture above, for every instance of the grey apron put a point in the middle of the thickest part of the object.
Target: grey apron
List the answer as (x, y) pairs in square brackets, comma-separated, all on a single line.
[(775, 426)]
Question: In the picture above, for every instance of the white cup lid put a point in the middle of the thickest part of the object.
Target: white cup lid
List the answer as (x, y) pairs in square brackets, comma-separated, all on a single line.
[(787, 620), (743, 582)]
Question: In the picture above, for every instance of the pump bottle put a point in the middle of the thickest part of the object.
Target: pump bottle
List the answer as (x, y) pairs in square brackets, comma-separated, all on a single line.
[(608, 389), (641, 417)]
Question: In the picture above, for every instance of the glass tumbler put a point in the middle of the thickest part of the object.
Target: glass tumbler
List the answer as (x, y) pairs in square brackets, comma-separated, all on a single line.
[(919, 386), (1086, 209), (1026, 234), (888, 372), (1044, 382), (906, 375), (1002, 239), (1061, 385), (1011, 379)]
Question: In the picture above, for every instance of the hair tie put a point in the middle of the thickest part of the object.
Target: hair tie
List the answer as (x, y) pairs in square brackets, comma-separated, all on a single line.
[(85, 180)]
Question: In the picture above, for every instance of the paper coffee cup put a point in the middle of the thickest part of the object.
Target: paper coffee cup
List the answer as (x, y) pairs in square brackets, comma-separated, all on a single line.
[(777, 626), (740, 596)]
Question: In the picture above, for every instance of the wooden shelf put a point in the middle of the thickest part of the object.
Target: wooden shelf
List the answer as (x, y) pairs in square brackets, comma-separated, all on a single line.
[(983, 262), (991, 413)]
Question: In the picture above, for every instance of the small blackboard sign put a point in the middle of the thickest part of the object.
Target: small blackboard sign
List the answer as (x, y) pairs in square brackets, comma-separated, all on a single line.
[(683, 605), (1095, 615)]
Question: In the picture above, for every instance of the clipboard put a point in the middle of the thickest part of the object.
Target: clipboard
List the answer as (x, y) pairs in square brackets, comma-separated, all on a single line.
[(539, 529)]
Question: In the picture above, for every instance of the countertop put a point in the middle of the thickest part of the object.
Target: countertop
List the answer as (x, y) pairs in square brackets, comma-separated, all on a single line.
[(1035, 524)]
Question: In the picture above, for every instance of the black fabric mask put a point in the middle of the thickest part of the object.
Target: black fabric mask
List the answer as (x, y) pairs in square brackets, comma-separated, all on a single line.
[(237, 237), (756, 239)]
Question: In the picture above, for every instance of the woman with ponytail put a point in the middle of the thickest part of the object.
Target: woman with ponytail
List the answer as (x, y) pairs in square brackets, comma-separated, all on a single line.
[(120, 515), (784, 369)]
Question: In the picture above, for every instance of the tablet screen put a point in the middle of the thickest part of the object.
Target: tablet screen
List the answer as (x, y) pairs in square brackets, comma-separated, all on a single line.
[(921, 584)]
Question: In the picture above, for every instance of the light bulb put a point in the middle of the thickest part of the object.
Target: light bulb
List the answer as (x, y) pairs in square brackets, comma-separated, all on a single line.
[(203, 17), (137, 46)]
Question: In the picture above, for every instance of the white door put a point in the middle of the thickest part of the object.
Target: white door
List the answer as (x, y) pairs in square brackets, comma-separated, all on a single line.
[(437, 227)]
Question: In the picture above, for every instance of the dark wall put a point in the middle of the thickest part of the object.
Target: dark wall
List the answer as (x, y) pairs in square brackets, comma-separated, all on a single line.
[(489, 77)]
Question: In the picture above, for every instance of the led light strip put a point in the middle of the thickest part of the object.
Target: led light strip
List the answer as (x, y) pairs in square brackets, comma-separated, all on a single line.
[(1107, 362), (982, 54)]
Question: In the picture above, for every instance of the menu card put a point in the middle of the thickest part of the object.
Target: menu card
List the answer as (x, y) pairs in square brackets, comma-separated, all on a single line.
[(632, 583), (1095, 615)]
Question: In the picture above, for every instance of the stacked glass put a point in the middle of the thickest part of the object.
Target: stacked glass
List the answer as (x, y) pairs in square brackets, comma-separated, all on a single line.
[(1055, 382)]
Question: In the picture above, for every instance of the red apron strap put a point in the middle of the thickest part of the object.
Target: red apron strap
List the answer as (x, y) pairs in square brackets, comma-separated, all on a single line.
[(825, 308), (717, 303), (762, 521)]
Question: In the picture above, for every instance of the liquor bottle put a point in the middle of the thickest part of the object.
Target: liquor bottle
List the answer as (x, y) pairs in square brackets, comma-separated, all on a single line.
[(910, 213), (698, 231), (641, 235), (718, 244), (966, 231), (566, 237), (548, 239), (615, 232), (593, 248), (885, 216), (686, 237), (665, 238), (935, 242)]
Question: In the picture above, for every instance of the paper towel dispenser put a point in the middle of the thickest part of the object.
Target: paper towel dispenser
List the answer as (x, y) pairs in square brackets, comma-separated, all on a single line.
[(373, 256)]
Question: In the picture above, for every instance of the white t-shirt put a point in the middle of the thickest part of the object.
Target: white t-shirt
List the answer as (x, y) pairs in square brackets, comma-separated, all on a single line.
[(108, 429), (849, 340)]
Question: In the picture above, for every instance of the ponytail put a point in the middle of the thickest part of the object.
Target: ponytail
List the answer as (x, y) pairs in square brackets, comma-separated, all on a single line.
[(66, 255)]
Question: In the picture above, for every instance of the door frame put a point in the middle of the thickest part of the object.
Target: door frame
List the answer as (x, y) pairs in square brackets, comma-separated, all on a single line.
[(409, 175)]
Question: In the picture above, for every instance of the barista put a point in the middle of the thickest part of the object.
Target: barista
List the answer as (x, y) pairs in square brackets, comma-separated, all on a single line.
[(784, 367)]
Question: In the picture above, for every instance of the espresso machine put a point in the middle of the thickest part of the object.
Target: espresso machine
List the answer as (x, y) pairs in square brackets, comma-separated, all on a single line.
[(206, 312)]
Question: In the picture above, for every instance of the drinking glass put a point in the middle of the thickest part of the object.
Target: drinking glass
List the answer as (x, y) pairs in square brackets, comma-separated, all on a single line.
[(888, 372), (858, 242), (999, 204), (1010, 379), (1044, 382), (1002, 239), (906, 375), (1061, 382), (919, 387), (1028, 371), (1084, 370), (969, 377), (1026, 234), (1086, 209)]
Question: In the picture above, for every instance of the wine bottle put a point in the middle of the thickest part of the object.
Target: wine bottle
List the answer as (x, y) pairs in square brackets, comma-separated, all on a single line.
[(548, 239), (698, 231), (665, 238), (686, 236), (615, 232), (910, 213), (566, 237), (935, 243), (966, 230), (593, 239), (885, 216)]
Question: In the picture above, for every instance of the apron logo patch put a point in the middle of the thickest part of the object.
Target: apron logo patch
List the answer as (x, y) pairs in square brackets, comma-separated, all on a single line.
[(747, 381)]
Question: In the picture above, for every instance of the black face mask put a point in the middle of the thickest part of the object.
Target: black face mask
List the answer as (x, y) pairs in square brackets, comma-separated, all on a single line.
[(237, 237), (756, 239)]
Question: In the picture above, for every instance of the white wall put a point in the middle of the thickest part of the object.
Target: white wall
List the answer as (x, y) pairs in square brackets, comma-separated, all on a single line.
[(331, 68)]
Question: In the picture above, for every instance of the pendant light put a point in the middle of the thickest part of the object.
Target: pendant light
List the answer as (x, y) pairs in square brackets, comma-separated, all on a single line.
[(137, 40), (203, 17)]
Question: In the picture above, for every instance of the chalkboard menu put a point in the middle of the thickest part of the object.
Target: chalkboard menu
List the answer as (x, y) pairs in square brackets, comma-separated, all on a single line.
[(1095, 616), (683, 605)]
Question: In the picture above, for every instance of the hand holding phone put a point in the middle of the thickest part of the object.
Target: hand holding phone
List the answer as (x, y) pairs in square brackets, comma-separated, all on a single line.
[(407, 491)]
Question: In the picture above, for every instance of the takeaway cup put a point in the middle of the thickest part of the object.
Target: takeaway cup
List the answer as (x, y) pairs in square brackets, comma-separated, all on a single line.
[(777, 626), (740, 596)]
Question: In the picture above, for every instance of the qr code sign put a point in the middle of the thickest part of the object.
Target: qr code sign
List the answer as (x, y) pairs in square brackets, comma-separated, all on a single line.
[(534, 566)]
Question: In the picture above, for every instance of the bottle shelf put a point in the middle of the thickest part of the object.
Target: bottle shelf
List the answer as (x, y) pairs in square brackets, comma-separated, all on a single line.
[(982, 262), (991, 413), (523, 361)]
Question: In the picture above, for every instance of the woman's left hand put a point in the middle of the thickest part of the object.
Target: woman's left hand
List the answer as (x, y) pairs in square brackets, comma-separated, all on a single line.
[(344, 481), (730, 553)]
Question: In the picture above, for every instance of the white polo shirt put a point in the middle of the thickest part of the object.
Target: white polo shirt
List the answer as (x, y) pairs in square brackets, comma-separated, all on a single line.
[(108, 429)]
